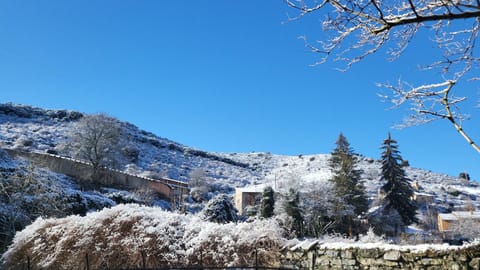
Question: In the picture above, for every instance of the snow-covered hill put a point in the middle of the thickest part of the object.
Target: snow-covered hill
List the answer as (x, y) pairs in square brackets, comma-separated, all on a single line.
[(36, 129)]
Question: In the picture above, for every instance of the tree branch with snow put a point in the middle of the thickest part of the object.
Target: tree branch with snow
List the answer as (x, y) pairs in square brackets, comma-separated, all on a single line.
[(355, 29)]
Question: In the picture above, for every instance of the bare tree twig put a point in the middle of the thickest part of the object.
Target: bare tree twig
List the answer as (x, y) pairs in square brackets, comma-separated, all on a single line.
[(355, 29)]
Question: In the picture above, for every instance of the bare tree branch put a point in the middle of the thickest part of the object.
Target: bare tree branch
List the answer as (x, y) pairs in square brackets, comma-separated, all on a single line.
[(355, 29)]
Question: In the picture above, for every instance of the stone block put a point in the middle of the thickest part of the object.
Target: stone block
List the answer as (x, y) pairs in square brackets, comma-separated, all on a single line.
[(392, 255), (453, 266), (410, 257), (475, 263), (370, 262), (349, 262), (431, 261), (370, 253), (391, 264), (333, 253), (322, 260), (335, 262), (347, 254)]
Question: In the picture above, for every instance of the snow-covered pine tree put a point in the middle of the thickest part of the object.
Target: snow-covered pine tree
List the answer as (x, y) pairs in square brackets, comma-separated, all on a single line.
[(268, 202), (398, 191), (350, 192)]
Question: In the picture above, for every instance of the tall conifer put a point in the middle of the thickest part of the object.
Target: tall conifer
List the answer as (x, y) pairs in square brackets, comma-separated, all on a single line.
[(398, 191), (350, 192)]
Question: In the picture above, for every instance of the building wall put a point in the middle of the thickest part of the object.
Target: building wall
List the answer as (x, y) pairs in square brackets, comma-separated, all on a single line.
[(443, 225), (244, 199)]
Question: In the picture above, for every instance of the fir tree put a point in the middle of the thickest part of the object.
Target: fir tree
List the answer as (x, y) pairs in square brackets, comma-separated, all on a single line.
[(398, 191), (268, 202), (349, 190)]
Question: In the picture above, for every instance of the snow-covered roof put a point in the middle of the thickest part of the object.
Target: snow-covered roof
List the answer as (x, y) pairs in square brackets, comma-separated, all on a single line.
[(251, 189), (424, 194), (448, 216), (457, 215)]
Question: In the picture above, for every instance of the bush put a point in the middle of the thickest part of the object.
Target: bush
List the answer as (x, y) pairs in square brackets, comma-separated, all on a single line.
[(116, 238), (220, 209)]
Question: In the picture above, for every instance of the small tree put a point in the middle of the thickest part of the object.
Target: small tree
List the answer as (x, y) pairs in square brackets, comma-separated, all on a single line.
[(95, 138), (198, 185), (398, 191), (292, 209), (268, 202), (318, 205), (466, 228), (350, 193), (220, 209)]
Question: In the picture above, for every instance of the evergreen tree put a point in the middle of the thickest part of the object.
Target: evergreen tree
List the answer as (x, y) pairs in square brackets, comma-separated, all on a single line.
[(268, 202), (398, 191), (292, 209), (349, 190)]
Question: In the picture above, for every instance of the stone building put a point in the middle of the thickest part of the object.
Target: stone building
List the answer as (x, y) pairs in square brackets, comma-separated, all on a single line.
[(446, 221), (249, 196)]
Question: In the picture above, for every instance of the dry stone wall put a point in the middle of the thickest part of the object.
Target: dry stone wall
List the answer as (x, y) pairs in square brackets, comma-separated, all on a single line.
[(82, 171), (391, 257)]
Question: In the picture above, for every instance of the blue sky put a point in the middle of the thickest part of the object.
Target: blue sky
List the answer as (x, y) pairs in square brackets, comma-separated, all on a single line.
[(227, 76)]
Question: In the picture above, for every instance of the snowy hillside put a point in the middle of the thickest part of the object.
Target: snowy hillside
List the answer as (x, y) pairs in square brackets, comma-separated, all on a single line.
[(284, 171), (42, 130)]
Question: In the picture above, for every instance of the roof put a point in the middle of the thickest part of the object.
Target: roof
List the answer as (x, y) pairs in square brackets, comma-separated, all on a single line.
[(448, 216), (251, 189), (424, 194), (457, 215)]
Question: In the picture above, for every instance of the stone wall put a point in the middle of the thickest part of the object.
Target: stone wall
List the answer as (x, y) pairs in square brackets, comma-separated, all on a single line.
[(388, 257), (83, 170)]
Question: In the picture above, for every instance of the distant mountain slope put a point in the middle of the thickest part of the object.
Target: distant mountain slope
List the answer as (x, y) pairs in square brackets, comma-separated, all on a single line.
[(30, 128), (37, 129)]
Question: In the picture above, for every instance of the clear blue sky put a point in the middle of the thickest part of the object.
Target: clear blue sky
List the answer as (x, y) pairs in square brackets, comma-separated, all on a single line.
[(226, 76)]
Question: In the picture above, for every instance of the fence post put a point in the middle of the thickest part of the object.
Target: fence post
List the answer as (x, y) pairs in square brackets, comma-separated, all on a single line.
[(28, 263), (87, 262), (201, 259), (144, 262), (256, 258)]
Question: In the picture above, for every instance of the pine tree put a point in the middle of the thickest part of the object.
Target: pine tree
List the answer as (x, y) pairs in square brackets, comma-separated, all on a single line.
[(349, 190), (268, 202), (398, 191)]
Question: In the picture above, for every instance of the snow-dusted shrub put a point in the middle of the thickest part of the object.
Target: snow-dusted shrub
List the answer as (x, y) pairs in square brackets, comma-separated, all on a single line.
[(23, 141), (117, 238), (371, 237), (131, 153), (220, 209), (385, 221)]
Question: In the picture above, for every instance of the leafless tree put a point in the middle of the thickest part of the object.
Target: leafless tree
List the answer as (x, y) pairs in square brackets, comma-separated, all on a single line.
[(467, 227), (96, 139), (26, 194), (198, 184), (355, 29)]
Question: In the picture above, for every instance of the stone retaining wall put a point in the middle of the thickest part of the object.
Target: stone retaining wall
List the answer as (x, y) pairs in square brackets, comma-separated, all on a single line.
[(83, 170), (390, 257)]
